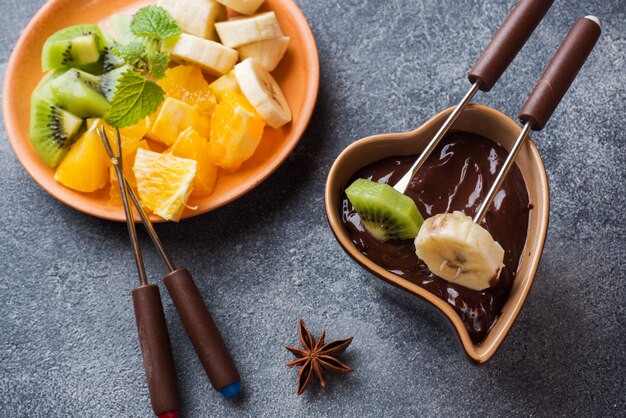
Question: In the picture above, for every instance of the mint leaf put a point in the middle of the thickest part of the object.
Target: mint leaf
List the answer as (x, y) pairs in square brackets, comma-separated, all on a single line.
[(135, 98), (132, 53), (157, 63), (154, 22), (143, 59)]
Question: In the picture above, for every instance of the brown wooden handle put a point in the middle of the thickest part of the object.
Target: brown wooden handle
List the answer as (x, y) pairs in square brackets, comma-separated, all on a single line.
[(560, 72), (507, 42), (156, 349), (201, 328)]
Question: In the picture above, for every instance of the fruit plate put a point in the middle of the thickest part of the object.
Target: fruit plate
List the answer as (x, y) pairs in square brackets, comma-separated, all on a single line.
[(297, 74)]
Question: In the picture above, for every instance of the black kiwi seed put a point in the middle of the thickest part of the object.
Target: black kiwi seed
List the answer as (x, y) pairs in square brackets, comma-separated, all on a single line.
[(67, 55), (59, 137), (107, 64)]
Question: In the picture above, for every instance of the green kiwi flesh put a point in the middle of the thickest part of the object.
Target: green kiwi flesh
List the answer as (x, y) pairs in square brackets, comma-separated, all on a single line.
[(107, 62), (79, 93), (52, 129), (74, 46), (386, 213)]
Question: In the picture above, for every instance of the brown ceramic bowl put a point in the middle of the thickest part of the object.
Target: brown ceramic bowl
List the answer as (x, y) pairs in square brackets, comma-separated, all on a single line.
[(477, 119), (297, 74)]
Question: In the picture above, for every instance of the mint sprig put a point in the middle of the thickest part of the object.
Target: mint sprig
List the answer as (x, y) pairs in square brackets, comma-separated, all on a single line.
[(135, 98), (152, 25), (158, 63), (132, 53), (154, 22), (143, 59)]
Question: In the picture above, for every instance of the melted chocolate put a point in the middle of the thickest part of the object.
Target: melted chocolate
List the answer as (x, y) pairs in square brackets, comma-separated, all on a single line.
[(456, 176)]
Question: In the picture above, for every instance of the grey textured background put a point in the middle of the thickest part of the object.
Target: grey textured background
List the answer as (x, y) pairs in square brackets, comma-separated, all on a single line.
[(68, 344)]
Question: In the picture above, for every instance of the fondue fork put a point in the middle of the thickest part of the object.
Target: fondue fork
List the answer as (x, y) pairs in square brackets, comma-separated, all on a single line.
[(154, 338), (548, 92), (495, 59), (195, 316), (454, 246)]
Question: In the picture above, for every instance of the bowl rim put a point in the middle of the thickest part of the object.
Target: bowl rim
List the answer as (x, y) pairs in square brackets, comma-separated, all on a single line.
[(20, 146), (477, 353)]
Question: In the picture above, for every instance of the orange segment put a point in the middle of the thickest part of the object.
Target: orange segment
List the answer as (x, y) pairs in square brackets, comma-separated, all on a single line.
[(191, 145), (130, 134), (225, 83), (174, 117), (85, 167), (186, 83), (164, 182), (236, 130)]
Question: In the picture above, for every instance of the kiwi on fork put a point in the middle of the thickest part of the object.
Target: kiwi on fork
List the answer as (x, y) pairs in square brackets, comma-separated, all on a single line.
[(386, 213)]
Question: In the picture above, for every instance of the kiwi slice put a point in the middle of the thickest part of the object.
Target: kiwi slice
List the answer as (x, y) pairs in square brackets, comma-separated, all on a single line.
[(108, 81), (74, 46), (52, 129), (79, 93), (386, 213), (107, 62)]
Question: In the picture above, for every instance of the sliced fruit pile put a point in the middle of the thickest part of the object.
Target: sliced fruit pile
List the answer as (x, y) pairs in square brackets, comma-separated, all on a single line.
[(71, 90), (211, 116)]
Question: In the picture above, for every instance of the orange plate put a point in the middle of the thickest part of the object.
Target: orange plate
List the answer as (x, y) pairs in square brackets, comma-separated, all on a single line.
[(297, 74)]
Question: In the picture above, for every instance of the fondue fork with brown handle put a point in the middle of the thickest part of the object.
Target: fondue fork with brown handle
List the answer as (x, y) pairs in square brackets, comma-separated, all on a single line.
[(195, 316), (548, 92), (495, 59), (154, 338), (455, 246)]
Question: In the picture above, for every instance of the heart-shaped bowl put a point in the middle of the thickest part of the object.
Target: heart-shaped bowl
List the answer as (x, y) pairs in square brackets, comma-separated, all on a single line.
[(488, 123)]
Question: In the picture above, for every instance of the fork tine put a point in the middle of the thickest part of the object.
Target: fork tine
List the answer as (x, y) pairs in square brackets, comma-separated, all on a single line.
[(127, 192), (119, 145), (105, 141)]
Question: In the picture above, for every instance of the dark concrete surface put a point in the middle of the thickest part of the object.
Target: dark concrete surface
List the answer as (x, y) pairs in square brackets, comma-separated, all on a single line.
[(68, 343)]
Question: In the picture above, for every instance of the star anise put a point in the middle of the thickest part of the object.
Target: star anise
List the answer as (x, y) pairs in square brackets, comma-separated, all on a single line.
[(315, 357)]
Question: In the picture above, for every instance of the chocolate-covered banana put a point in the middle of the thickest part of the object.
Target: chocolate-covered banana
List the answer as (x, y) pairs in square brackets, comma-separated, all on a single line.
[(459, 250)]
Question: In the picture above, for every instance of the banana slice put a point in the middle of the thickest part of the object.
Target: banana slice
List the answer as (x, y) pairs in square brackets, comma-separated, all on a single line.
[(196, 17), (267, 53), (263, 93), (236, 33), (246, 7), (459, 250), (213, 57)]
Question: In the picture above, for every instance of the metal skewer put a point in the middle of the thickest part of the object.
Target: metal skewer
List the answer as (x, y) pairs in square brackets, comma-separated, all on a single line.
[(508, 163), (403, 183), (494, 60), (132, 231), (149, 227)]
